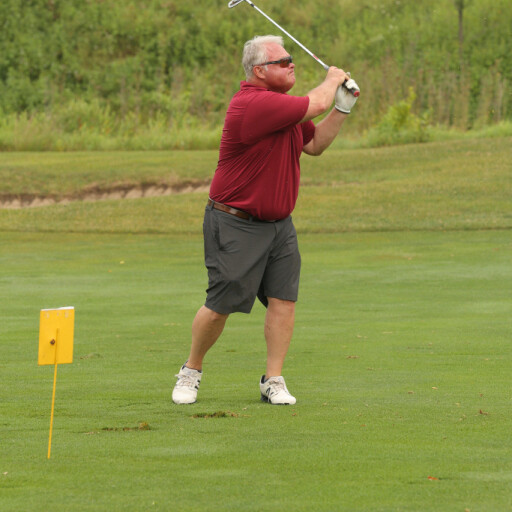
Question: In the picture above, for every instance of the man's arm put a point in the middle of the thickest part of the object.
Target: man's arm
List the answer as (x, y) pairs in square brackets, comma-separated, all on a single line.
[(321, 97), (325, 132), (327, 129)]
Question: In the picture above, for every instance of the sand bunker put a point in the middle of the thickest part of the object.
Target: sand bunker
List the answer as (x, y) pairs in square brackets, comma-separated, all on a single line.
[(98, 193)]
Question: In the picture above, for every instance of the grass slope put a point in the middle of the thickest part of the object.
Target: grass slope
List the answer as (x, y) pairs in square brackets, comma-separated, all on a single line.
[(462, 184)]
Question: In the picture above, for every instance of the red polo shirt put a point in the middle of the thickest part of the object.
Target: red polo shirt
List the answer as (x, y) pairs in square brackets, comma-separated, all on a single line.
[(258, 169)]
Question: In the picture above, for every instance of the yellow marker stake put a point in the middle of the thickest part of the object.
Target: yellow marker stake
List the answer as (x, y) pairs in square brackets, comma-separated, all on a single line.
[(56, 327), (56, 342)]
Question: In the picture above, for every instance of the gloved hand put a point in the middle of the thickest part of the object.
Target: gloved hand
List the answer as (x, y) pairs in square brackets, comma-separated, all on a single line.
[(344, 99)]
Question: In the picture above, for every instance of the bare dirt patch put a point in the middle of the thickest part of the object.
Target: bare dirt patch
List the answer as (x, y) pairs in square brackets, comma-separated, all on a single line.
[(97, 192)]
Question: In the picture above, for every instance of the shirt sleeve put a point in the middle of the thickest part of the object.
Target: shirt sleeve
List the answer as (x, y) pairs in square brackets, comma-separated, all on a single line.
[(271, 112), (308, 132)]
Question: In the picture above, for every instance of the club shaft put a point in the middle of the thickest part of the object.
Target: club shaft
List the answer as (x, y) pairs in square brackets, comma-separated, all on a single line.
[(325, 66), (355, 92)]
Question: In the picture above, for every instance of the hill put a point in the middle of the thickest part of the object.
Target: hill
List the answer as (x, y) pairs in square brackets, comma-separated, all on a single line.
[(169, 64)]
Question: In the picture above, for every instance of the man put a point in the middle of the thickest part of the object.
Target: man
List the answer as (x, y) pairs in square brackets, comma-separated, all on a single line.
[(250, 242)]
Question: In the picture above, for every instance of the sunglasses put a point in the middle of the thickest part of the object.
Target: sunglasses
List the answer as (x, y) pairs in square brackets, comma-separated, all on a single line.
[(283, 63)]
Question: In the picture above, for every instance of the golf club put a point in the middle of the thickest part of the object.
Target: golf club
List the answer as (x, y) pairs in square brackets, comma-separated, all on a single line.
[(234, 3)]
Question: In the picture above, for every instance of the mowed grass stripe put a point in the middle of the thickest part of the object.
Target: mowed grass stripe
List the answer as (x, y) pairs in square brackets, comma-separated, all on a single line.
[(400, 361)]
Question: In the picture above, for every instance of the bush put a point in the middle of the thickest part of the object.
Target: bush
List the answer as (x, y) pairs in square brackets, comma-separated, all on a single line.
[(400, 126)]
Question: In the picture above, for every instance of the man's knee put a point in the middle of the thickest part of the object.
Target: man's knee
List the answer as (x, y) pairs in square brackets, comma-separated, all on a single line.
[(281, 305), (213, 316)]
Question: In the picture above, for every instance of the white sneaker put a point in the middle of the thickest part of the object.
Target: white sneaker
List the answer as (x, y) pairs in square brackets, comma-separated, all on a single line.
[(185, 391), (274, 391)]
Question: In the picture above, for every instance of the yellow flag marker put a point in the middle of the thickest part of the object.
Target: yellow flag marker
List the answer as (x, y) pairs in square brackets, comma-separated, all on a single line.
[(56, 328)]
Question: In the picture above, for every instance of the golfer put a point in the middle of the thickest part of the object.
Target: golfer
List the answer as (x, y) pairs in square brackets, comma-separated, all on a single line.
[(250, 242)]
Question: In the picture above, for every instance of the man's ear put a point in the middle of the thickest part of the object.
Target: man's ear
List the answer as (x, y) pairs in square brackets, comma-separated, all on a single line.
[(258, 72)]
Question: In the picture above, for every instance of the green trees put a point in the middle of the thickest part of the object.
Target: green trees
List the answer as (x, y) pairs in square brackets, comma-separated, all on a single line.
[(180, 61)]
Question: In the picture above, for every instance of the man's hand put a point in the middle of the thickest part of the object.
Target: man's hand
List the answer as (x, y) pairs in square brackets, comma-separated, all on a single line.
[(344, 98), (321, 97), (337, 75)]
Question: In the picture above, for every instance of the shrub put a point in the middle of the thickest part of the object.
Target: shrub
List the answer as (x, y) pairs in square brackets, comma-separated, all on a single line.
[(400, 126)]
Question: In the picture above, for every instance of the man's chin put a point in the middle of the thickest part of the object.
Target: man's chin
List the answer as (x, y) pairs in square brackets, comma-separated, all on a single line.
[(289, 85)]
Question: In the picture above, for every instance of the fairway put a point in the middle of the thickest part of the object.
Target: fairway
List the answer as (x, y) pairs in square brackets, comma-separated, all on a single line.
[(400, 362), (121, 122)]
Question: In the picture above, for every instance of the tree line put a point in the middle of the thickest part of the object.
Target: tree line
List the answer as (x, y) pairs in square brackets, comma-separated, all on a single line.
[(181, 60)]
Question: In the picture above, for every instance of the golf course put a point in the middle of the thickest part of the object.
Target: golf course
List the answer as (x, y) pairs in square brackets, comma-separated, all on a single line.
[(400, 360), (114, 119)]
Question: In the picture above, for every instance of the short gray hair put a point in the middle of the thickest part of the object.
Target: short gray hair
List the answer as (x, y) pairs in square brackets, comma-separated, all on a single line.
[(255, 52)]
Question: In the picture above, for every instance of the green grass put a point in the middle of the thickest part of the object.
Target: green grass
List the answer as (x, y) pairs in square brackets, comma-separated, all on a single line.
[(400, 361), (463, 184), (80, 126), (87, 126), (449, 162), (61, 174)]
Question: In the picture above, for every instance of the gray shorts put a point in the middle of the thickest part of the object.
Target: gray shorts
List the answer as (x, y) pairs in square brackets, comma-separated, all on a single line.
[(248, 259)]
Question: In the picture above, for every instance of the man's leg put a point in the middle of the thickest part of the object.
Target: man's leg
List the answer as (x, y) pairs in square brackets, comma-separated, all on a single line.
[(206, 329), (278, 333), (279, 322)]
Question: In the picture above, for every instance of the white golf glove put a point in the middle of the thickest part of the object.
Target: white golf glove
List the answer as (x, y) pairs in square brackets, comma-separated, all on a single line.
[(344, 99)]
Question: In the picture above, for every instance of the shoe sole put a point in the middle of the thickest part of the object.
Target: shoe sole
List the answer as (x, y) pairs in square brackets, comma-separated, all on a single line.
[(267, 400), (182, 402)]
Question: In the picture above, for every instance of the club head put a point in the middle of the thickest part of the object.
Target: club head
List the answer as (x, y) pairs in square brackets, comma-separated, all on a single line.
[(234, 3)]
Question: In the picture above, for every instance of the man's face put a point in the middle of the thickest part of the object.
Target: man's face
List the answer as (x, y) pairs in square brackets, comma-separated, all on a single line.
[(277, 78)]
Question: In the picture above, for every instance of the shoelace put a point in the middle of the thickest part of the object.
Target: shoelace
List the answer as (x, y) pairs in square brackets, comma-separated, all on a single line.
[(187, 381), (276, 385)]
